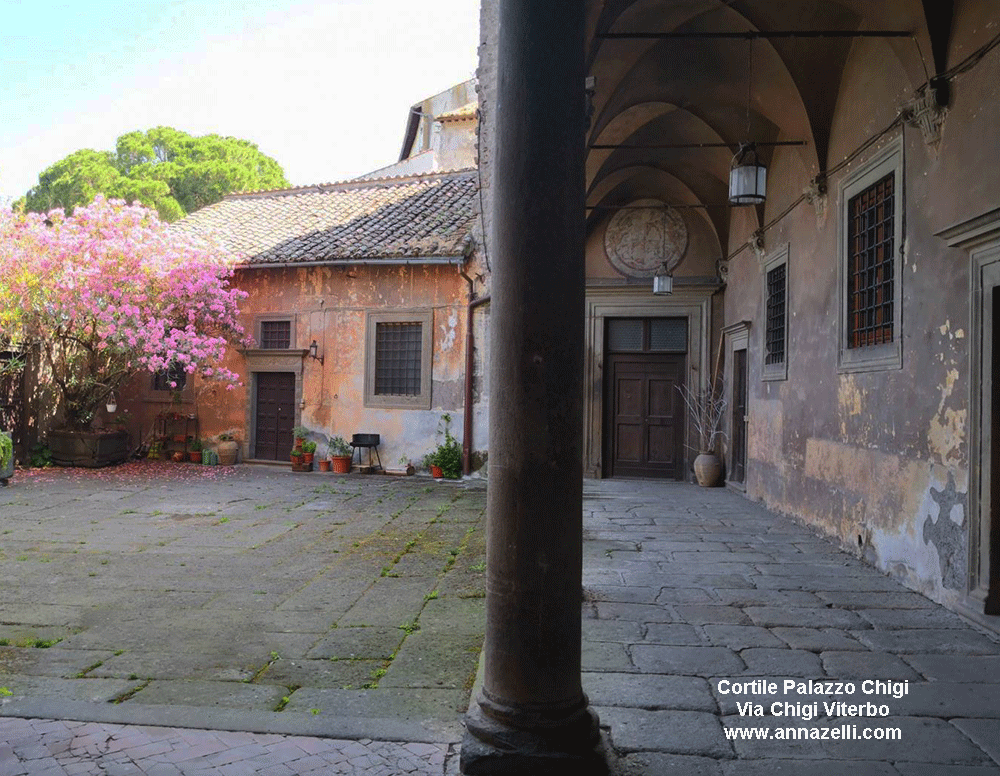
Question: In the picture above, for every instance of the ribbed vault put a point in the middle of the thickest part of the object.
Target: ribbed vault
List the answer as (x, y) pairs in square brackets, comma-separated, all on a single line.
[(694, 90)]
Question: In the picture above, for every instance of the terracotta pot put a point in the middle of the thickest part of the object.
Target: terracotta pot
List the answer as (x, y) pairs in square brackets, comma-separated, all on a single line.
[(227, 451), (295, 458), (178, 457), (324, 464), (195, 456), (707, 469), (307, 457), (341, 464), (437, 472)]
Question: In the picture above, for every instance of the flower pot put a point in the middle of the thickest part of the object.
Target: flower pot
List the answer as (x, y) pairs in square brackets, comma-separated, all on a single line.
[(707, 469), (227, 451), (307, 457), (195, 456), (341, 464), (324, 464), (179, 457), (295, 459), (436, 472)]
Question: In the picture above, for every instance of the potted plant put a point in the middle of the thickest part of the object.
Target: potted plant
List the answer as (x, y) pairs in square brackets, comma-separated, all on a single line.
[(227, 449), (341, 455), (300, 433), (6, 457), (194, 450), (324, 464), (705, 408), (179, 457), (308, 451), (446, 459), (296, 456)]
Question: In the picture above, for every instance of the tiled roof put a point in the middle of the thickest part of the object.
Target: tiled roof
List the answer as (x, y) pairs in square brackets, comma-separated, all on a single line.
[(427, 215), (467, 111)]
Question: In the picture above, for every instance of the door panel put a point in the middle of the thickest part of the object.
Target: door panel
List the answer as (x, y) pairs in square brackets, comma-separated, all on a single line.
[(275, 414), (645, 418), (738, 473)]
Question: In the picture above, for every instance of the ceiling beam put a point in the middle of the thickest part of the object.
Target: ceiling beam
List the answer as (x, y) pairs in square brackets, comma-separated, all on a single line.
[(754, 35), (651, 146)]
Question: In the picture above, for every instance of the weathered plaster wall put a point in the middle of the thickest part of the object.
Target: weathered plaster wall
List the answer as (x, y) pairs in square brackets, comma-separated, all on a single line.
[(330, 305), (878, 459)]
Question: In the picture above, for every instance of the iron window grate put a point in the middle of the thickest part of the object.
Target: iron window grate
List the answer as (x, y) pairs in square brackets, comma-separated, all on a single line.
[(276, 335), (871, 264), (397, 358), (775, 329)]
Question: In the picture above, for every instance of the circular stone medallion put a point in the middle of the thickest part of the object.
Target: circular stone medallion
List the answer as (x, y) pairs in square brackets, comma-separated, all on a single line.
[(641, 239)]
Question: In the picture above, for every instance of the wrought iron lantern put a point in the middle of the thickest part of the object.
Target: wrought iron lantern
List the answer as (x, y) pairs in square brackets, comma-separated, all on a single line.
[(663, 282), (314, 352), (747, 177)]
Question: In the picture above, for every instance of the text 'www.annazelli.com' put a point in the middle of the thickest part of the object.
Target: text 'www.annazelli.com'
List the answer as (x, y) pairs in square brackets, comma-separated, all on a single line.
[(835, 733)]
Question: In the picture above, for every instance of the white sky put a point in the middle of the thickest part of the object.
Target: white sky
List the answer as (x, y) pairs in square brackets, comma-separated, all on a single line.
[(323, 87)]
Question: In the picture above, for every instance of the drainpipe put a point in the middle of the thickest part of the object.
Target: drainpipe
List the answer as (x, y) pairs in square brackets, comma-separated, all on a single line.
[(469, 348)]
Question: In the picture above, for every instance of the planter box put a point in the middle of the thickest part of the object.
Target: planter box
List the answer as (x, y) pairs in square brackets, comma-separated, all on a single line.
[(88, 448)]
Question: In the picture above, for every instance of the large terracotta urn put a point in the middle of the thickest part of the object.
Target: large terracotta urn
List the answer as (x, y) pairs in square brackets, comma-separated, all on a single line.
[(227, 450), (707, 469)]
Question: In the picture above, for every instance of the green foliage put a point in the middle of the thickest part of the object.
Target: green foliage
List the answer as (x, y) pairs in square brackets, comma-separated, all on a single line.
[(41, 456), (164, 168), (448, 454), (6, 449), (340, 447), (309, 447), (196, 445)]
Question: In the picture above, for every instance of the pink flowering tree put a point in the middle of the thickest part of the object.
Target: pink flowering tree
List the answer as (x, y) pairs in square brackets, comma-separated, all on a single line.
[(111, 291)]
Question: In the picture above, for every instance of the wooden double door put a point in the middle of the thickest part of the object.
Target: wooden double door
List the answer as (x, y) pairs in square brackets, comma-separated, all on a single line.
[(274, 408), (644, 424)]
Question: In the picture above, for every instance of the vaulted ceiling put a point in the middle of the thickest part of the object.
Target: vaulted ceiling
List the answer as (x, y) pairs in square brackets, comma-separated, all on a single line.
[(688, 90)]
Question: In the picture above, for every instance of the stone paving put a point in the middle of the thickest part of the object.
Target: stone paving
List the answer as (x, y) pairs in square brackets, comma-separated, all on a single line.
[(686, 587), (683, 588), (243, 597)]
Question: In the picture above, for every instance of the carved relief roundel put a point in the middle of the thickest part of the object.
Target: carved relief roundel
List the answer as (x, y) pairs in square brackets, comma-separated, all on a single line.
[(638, 241)]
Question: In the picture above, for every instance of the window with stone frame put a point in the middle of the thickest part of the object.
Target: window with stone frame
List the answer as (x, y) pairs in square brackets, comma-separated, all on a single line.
[(276, 334), (398, 359), (776, 316), (871, 239)]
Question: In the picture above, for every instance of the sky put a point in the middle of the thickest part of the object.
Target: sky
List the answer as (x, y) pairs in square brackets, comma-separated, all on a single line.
[(323, 87)]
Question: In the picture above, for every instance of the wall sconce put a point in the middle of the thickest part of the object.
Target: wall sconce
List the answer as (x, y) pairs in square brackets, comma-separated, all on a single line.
[(663, 282), (313, 350)]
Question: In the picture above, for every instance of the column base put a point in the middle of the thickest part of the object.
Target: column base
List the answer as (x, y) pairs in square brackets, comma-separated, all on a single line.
[(539, 745)]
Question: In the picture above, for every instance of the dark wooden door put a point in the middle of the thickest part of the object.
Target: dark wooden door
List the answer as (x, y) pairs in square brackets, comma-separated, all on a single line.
[(739, 467), (275, 414), (645, 422)]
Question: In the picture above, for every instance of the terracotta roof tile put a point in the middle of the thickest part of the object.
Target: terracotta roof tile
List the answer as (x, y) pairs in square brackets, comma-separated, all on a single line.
[(463, 113), (419, 215)]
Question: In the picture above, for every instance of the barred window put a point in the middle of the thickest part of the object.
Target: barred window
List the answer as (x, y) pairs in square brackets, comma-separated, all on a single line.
[(275, 335), (397, 358), (774, 335), (871, 264), (173, 374)]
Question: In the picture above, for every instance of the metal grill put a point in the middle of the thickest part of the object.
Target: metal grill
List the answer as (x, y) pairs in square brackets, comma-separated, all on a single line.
[(775, 333), (666, 335), (669, 335), (397, 359), (174, 374), (870, 264), (276, 335)]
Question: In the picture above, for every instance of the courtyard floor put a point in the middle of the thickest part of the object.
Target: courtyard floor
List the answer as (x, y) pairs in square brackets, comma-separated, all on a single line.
[(335, 623)]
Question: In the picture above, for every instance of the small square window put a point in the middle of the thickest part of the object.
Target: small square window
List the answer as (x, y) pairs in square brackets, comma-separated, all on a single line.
[(275, 335), (175, 374)]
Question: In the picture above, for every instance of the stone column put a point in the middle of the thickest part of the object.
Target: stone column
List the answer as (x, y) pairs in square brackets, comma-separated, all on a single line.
[(532, 716)]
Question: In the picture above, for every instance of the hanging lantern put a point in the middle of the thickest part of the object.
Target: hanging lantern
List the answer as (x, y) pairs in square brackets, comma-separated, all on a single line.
[(747, 177), (663, 282)]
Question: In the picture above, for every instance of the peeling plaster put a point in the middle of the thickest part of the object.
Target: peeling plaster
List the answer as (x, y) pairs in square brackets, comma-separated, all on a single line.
[(848, 401), (948, 535), (947, 428)]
